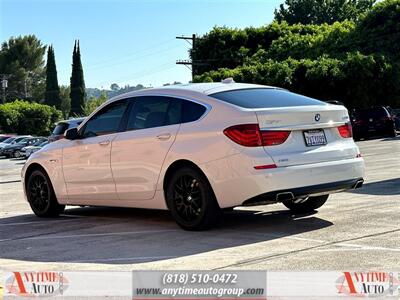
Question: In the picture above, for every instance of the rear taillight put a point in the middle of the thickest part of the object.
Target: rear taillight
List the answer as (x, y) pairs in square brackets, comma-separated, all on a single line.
[(250, 135), (272, 138), (345, 131)]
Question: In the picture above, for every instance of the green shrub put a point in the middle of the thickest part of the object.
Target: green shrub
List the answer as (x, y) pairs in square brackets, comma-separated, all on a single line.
[(358, 80), (24, 117)]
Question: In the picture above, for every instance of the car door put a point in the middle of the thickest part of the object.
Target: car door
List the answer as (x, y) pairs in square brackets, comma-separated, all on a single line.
[(138, 153), (86, 160)]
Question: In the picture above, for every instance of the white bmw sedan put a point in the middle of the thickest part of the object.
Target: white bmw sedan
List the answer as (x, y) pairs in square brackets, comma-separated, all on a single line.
[(196, 150)]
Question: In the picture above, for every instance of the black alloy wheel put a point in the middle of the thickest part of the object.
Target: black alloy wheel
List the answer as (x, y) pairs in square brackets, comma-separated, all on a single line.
[(191, 200), (41, 196), (188, 198)]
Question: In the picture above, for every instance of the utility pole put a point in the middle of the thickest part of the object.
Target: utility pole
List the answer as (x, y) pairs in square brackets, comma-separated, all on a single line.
[(4, 85), (192, 41)]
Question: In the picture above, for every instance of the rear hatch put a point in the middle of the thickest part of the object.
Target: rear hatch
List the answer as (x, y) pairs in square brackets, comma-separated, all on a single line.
[(312, 125), (314, 136)]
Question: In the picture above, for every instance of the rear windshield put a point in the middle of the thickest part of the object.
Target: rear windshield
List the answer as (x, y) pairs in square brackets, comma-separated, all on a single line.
[(60, 128), (372, 113), (265, 98)]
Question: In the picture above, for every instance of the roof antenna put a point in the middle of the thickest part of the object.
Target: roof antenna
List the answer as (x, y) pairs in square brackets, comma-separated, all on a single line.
[(228, 80)]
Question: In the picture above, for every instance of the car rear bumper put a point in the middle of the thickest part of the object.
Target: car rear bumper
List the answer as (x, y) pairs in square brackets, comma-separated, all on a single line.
[(235, 182), (304, 192)]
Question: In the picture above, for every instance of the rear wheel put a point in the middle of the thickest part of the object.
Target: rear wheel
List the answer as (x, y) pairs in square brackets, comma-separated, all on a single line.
[(191, 200), (17, 154), (41, 196), (393, 132), (312, 203)]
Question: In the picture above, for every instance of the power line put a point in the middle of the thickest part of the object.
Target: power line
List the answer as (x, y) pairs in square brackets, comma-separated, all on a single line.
[(118, 58)]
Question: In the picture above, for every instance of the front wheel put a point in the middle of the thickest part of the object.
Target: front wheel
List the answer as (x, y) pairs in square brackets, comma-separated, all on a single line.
[(191, 200), (309, 205), (17, 154), (41, 196)]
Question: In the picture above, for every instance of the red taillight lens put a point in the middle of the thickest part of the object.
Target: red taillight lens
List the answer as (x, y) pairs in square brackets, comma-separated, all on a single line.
[(345, 131), (250, 135), (272, 138), (246, 135), (265, 167)]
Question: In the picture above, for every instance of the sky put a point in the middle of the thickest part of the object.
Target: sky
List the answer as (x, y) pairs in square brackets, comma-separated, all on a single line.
[(126, 41)]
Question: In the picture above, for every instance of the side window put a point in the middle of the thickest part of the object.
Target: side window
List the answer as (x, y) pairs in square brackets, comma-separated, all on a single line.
[(153, 111), (191, 111), (106, 121), (174, 111)]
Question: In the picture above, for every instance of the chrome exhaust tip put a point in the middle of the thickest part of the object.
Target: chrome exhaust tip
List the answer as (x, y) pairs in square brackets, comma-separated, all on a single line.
[(359, 184), (285, 196)]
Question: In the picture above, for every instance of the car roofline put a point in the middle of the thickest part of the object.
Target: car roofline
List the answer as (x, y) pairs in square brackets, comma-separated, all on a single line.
[(194, 88)]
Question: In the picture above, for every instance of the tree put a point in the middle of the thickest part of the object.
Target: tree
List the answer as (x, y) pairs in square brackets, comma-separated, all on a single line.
[(94, 102), (22, 58), (321, 11), (65, 101), (77, 93), (52, 95), (114, 87)]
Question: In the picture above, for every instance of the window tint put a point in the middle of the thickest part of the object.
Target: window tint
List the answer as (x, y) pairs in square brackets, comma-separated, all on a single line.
[(149, 112), (377, 112), (191, 111), (106, 121), (265, 98), (60, 128), (9, 140)]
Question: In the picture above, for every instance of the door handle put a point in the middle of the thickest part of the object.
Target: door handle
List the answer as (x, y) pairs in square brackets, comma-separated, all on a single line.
[(104, 143), (164, 136)]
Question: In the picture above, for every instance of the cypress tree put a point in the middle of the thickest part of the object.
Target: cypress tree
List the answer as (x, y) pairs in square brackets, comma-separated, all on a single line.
[(52, 94), (77, 93)]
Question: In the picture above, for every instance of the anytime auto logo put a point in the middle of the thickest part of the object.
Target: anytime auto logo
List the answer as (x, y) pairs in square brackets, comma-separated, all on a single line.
[(368, 284), (36, 284)]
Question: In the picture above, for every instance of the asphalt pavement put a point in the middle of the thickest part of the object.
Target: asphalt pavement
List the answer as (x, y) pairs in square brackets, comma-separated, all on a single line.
[(355, 230)]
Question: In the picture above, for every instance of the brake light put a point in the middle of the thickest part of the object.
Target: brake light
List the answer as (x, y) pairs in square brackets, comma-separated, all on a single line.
[(250, 135), (265, 167), (345, 130), (272, 138)]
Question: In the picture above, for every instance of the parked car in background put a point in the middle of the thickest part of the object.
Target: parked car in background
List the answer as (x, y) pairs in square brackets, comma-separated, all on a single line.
[(396, 116), (27, 149), (13, 150), (11, 141), (32, 149), (62, 126), (4, 137), (373, 122), (197, 149)]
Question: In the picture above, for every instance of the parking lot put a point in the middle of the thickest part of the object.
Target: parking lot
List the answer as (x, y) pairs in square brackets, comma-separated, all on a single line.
[(354, 230)]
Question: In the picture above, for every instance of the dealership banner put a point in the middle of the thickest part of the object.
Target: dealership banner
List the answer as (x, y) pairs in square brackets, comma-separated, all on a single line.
[(227, 284)]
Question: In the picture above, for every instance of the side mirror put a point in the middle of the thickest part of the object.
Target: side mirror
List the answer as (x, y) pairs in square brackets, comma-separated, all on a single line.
[(71, 134)]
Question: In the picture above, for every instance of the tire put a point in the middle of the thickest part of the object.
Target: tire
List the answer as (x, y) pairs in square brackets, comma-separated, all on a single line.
[(17, 154), (393, 132), (191, 200), (41, 196), (311, 204)]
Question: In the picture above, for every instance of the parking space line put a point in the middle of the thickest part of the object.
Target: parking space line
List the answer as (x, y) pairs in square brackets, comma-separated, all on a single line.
[(10, 181), (122, 259), (89, 235), (310, 248), (33, 222)]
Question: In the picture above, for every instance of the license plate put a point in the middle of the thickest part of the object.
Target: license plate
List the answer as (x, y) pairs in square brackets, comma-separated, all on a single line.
[(314, 137)]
